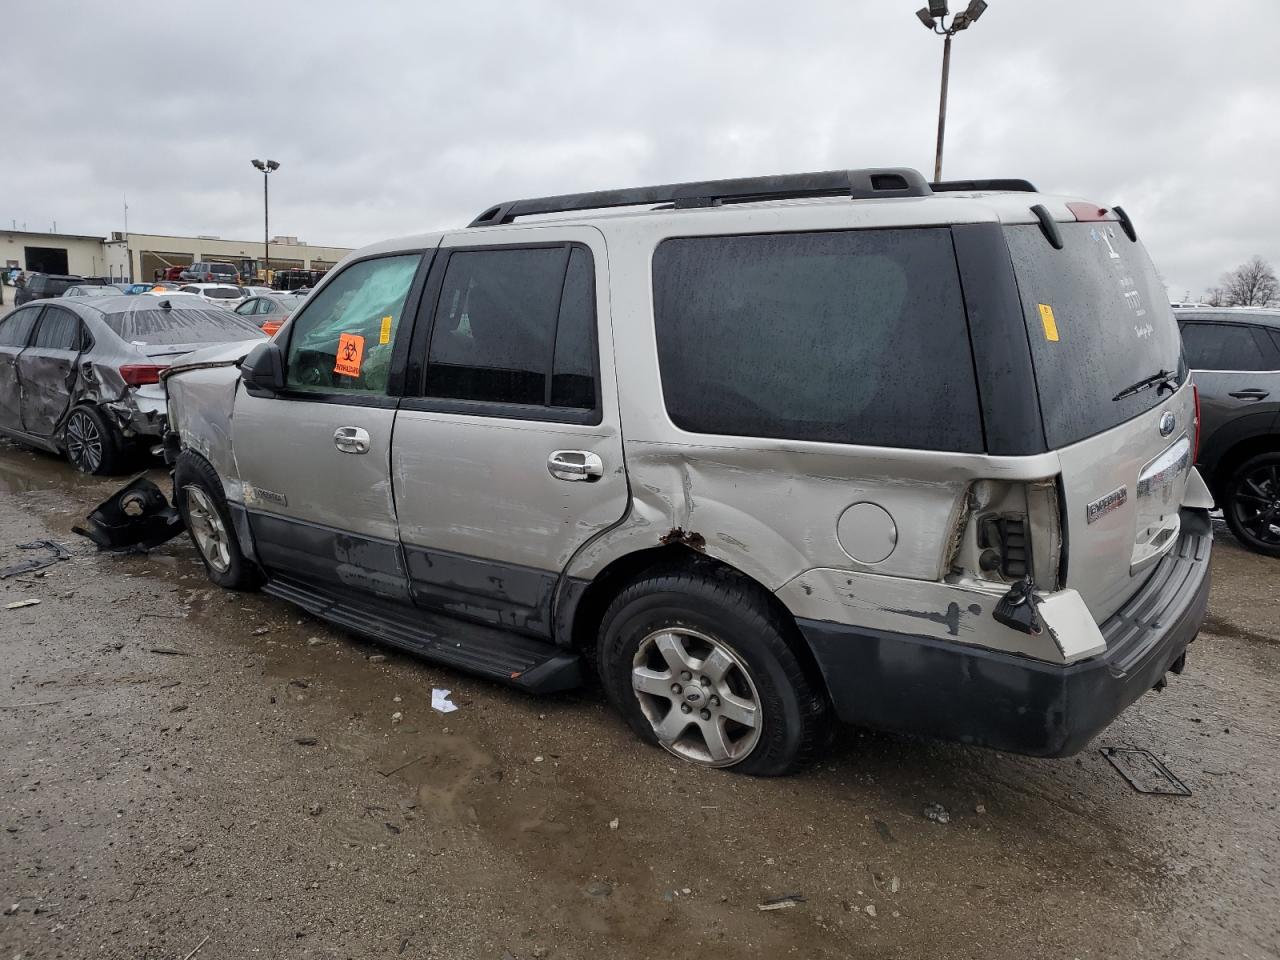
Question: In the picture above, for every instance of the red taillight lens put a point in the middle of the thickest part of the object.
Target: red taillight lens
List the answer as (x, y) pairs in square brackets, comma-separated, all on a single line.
[(1195, 442), (271, 326), (137, 374)]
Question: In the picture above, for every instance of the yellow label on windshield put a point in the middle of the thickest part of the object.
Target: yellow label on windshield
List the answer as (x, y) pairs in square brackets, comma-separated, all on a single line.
[(385, 335), (1050, 324)]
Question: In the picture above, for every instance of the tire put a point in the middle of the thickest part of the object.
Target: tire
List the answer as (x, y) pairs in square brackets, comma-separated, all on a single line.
[(1251, 504), (198, 494), (718, 622), (91, 443)]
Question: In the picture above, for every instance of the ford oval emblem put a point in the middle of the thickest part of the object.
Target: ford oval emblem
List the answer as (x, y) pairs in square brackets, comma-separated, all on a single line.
[(1167, 422)]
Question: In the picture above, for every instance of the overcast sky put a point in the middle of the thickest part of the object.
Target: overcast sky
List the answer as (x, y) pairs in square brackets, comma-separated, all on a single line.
[(398, 118)]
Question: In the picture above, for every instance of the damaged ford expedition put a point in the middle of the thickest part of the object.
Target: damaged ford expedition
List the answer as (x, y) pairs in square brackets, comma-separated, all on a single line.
[(758, 451)]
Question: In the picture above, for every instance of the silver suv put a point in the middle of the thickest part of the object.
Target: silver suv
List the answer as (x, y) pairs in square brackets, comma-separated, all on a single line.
[(757, 451)]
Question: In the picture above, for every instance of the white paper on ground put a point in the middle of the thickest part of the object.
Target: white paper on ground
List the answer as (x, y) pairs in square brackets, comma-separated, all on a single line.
[(440, 701)]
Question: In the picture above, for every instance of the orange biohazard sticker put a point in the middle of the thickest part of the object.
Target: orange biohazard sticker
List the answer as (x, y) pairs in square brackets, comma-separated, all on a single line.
[(350, 355)]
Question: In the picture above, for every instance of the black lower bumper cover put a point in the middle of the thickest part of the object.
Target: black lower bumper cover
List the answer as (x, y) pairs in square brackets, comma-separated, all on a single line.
[(136, 515), (920, 685)]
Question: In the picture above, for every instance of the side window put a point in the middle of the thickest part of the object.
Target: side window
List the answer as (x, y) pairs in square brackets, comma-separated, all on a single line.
[(248, 308), (855, 337), (1222, 346), (342, 342), (15, 329), (59, 330), (516, 326), (263, 307)]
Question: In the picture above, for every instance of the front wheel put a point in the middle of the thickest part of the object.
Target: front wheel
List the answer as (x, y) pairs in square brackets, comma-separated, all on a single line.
[(199, 498), (1252, 507), (700, 664)]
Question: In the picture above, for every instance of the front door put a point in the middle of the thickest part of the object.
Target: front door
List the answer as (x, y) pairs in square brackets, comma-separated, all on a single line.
[(315, 459), (47, 371), (15, 333), (509, 458)]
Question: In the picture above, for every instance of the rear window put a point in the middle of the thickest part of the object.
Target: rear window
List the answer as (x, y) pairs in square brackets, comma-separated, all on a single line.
[(1098, 319), (181, 325), (854, 337), (52, 287), (217, 293)]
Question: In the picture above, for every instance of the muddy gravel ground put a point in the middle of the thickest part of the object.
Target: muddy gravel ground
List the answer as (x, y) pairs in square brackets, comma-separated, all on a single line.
[(186, 767)]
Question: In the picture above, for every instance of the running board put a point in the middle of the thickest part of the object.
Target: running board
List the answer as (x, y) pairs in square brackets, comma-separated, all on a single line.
[(538, 666)]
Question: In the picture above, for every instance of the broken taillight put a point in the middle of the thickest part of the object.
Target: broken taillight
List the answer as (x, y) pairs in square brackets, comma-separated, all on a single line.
[(138, 374), (271, 326)]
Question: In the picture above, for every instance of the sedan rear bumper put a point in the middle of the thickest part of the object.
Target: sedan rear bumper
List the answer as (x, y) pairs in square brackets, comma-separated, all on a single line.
[(984, 697)]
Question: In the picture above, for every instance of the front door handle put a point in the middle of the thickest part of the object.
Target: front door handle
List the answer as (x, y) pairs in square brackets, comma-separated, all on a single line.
[(351, 439), (1251, 394), (575, 465)]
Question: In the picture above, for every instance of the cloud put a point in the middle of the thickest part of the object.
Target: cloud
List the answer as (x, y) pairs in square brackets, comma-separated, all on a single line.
[(394, 118)]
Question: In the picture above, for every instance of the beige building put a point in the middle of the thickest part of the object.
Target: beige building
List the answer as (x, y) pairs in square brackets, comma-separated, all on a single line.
[(137, 256)]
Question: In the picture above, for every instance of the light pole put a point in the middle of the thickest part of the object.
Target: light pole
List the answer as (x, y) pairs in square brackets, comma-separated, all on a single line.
[(268, 167), (934, 16)]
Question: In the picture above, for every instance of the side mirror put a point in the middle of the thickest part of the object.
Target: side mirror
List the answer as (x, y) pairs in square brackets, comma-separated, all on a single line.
[(262, 371)]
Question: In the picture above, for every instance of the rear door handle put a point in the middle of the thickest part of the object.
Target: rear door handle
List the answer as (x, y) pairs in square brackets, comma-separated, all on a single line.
[(351, 439), (1251, 394), (575, 465)]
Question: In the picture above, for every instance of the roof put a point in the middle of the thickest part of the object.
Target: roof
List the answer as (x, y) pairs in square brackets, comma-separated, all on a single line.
[(140, 303), (1252, 315)]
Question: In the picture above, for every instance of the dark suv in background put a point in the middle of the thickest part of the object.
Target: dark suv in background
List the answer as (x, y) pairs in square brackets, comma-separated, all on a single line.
[(1234, 355), (211, 271), (43, 286)]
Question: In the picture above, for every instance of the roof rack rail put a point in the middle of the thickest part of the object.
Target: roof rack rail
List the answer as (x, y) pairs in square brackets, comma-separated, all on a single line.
[(1011, 184), (856, 184)]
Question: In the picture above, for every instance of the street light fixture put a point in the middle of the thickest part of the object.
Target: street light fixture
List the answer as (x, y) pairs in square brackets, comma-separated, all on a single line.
[(934, 16), (267, 167)]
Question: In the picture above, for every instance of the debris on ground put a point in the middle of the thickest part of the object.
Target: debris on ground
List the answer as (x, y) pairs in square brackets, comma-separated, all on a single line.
[(782, 902), (314, 642), (58, 552), (169, 651), (397, 717), (378, 658), (979, 808), (598, 889), (937, 813), (613, 824), (305, 741), (136, 515), (19, 604), (1145, 772), (259, 631), (315, 809), (440, 701), (871, 909)]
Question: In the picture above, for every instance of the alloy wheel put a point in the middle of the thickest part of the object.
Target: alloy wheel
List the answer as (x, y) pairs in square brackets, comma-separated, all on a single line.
[(698, 696), (1256, 504), (207, 529), (84, 442)]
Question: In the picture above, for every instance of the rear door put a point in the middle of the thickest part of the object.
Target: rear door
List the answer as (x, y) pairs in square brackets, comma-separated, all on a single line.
[(510, 457), (47, 370), (1237, 368), (1099, 323), (15, 333), (315, 459)]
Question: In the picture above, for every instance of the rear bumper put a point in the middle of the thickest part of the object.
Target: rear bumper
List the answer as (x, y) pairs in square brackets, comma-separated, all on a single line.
[(945, 689)]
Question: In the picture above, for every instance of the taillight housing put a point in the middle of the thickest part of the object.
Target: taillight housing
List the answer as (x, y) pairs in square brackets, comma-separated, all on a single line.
[(1195, 439), (138, 374), (271, 326)]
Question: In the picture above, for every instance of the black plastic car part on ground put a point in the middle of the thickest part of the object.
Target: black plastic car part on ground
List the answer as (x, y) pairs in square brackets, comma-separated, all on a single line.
[(137, 515)]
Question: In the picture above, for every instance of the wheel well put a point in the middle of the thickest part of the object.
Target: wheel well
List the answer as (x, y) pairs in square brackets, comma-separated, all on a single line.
[(619, 574), (1238, 454)]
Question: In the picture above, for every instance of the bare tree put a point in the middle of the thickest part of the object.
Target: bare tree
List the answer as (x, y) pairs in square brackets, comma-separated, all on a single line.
[(1252, 284), (1215, 297)]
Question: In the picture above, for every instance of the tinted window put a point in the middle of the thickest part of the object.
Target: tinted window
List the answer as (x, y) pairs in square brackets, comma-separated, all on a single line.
[(15, 329), (1222, 346), (1098, 320), (221, 293), (573, 376), (343, 340), (495, 327), (192, 322), (59, 330), (248, 308), (853, 337)]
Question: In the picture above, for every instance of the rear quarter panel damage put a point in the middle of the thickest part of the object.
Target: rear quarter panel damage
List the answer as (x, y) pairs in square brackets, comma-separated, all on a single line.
[(202, 395)]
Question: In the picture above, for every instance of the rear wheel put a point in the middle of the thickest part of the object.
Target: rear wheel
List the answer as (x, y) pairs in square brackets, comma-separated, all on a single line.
[(701, 665), (203, 506), (1252, 504), (91, 443)]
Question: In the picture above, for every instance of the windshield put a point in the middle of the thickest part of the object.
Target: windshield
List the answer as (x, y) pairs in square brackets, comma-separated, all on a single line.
[(1099, 323), (181, 325)]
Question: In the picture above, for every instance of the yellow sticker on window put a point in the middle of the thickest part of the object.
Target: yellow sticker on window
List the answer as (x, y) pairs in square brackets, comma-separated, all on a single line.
[(1050, 324), (350, 355), (385, 335)]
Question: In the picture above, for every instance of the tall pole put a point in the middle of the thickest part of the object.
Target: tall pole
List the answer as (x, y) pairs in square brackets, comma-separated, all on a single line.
[(266, 230), (942, 107)]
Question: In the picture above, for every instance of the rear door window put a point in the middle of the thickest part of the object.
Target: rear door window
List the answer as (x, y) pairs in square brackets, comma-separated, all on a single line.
[(516, 326), (1227, 346), (854, 337), (1098, 320), (59, 330)]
